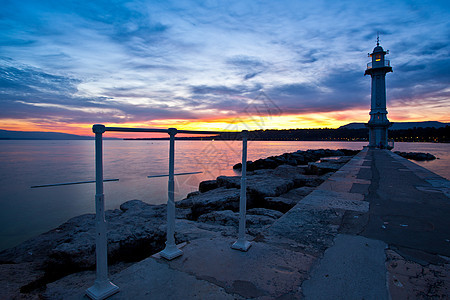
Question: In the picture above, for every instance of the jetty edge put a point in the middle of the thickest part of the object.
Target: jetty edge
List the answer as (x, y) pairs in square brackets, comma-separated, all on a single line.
[(285, 249)]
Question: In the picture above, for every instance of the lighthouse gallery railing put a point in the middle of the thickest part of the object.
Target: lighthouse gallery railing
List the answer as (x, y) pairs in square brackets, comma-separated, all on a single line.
[(387, 63)]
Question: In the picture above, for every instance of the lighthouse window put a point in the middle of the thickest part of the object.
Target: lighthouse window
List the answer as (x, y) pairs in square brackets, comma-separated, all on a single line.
[(378, 57)]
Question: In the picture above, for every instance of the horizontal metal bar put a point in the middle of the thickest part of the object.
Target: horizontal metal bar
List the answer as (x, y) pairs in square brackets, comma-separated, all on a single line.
[(190, 173), (205, 132), (126, 129), (71, 183)]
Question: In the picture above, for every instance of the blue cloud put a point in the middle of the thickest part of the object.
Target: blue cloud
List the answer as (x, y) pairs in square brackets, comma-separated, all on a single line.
[(137, 60)]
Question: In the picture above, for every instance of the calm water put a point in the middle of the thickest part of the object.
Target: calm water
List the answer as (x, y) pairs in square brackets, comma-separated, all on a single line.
[(26, 212)]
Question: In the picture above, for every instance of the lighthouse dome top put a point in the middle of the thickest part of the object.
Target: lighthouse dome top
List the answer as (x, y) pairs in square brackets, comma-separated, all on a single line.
[(378, 48)]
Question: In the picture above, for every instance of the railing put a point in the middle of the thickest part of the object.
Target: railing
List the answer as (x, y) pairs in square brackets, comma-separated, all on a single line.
[(387, 63), (103, 287)]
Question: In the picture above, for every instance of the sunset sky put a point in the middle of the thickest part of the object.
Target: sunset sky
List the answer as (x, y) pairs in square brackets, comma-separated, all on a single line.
[(217, 65)]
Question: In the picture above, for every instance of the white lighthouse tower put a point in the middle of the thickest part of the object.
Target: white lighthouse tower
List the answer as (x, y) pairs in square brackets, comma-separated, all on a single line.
[(378, 124)]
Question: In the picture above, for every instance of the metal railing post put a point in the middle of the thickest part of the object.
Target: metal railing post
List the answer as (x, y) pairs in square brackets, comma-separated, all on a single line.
[(102, 287), (171, 251), (242, 244)]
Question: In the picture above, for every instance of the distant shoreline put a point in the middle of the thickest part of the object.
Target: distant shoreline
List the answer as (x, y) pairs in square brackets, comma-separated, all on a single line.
[(215, 139), (353, 133)]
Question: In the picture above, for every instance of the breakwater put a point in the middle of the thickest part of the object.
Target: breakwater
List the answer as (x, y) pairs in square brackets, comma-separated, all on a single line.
[(137, 229), (342, 227)]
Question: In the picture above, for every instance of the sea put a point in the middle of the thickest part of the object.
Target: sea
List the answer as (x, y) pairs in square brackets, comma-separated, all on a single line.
[(26, 212)]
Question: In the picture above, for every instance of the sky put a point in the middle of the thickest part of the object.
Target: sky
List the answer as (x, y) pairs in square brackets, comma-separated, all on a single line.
[(217, 65)]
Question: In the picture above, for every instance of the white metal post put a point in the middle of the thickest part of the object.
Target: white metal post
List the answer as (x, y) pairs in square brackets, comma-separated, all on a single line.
[(102, 287), (242, 244), (171, 251)]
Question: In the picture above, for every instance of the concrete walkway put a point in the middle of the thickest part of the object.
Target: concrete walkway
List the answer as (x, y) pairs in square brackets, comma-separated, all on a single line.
[(378, 228)]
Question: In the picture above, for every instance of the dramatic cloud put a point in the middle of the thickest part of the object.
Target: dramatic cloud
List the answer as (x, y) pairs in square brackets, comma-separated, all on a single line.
[(151, 62)]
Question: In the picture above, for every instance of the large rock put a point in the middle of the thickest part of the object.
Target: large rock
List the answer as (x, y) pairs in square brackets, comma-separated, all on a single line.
[(223, 217), (213, 200), (286, 201), (259, 185), (207, 185), (274, 214), (416, 155), (295, 158), (288, 171), (298, 176), (322, 168), (133, 234), (186, 230), (230, 218)]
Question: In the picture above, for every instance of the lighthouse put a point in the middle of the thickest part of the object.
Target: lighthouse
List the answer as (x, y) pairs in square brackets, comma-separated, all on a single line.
[(378, 124)]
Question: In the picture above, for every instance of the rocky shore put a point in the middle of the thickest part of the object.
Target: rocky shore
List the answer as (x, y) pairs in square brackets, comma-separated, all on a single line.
[(418, 156), (137, 230)]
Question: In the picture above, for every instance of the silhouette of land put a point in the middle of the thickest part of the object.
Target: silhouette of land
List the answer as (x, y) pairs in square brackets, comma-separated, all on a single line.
[(431, 131), (415, 134)]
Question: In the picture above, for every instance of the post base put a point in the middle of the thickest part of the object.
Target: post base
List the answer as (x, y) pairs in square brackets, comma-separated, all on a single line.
[(171, 252), (241, 245), (102, 290)]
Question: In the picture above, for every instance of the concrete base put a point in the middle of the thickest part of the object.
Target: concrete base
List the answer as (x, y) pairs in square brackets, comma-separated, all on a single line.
[(241, 245), (102, 290), (171, 252)]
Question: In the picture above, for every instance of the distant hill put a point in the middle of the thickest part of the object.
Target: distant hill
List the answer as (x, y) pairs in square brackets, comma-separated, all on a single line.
[(400, 125), (38, 135)]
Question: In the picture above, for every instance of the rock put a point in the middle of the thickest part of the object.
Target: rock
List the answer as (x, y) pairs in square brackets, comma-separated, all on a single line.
[(224, 217), (308, 180), (238, 166), (267, 163), (274, 214), (299, 193), (323, 168), (280, 204), (416, 155), (259, 221), (133, 234), (136, 205), (230, 218), (286, 201), (295, 158), (297, 175), (259, 185), (229, 181), (192, 194), (288, 171), (337, 160), (218, 199), (207, 185), (186, 230), (348, 152)]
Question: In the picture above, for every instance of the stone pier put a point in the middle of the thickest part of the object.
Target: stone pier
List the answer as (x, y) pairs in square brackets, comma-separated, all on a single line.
[(378, 228)]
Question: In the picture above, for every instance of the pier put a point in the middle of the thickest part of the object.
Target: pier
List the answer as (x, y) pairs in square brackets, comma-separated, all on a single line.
[(378, 228)]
